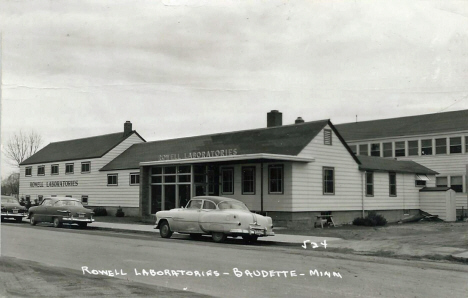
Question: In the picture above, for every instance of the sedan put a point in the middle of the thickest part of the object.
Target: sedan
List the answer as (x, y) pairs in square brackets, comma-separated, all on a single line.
[(59, 210), (219, 217), (11, 208)]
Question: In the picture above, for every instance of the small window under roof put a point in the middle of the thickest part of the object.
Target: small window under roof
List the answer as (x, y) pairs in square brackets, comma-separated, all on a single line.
[(422, 177)]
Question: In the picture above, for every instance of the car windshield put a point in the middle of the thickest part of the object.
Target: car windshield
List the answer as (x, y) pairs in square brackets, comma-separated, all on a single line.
[(9, 201), (194, 204), (232, 205), (67, 203)]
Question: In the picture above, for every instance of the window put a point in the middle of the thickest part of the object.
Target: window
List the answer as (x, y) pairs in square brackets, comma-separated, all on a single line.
[(456, 183), (28, 171), (413, 148), (85, 167), (194, 204), (441, 182), (369, 183), (441, 146), (40, 198), (54, 169), (466, 144), (421, 180), (84, 200), (399, 149), (46, 202), (392, 184), (363, 149), (387, 150), (227, 176), (426, 147), (375, 149), (208, 205), (455, 145), (327, 136), (40, 170), (275, 179), (328, 181), (353, 148), (134, 178), (69, 168), (420, 183), (69, 196), (248, 180), (112, 179)]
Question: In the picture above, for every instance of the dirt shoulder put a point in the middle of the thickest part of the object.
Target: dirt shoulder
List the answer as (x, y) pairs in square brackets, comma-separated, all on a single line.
[(21, 278)]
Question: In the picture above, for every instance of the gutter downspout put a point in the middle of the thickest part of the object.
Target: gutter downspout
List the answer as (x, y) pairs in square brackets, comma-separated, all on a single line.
[(261, 187), (362, 192)]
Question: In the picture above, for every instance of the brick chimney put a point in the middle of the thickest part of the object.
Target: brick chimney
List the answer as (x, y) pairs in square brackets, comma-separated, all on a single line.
[(274, 118), (299, 120), (127, 128)]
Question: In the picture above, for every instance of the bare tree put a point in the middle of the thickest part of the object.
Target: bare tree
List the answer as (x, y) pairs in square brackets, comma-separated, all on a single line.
[(22, 145), (10, 185)]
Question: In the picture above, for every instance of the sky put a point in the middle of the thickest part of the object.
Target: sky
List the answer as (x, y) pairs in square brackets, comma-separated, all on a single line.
[(175, 68)]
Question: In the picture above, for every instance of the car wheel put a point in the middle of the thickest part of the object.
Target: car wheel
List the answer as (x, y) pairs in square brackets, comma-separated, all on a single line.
[(164, 230), (83, 225), (195, 236), (57, 223), (219, 237), (19, 219), (32, 220), (250, 239)]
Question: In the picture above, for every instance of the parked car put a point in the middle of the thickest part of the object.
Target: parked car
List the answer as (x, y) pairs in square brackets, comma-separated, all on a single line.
[(59, 210), (11, 208), (219, 217)]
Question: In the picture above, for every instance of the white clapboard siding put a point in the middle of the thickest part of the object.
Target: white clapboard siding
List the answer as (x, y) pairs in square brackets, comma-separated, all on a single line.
[(439, 203), (307, 188), (92, 184)]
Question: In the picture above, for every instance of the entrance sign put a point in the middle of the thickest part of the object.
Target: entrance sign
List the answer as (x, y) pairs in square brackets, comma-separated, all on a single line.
[(199, 154), (54, 183)]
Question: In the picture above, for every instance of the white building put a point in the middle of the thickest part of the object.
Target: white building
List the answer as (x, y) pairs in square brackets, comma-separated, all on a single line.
[(437, 141), (291, 172)]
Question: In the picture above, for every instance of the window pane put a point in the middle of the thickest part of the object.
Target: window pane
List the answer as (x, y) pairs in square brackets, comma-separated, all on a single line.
[(248, 180), (184, 178), (441, 181), (399, 148), (276, 179), (387, 149), (426, 147), (169, 170), (184, 169), (413, 148), (170, 179), (363, 149), (156, 170), (455, 145), (456, 183), (441, 146), (375, 149), (328, 181), (227, 184), (156, 179)]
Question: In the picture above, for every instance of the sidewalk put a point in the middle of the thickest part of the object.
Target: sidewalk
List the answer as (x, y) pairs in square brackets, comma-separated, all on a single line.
[(362, 247)]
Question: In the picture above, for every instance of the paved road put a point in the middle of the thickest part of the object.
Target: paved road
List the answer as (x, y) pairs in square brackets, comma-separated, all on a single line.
[(131, 254)]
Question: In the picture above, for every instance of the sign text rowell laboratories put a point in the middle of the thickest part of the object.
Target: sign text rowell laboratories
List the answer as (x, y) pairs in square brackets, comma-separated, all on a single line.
[(54, 183), (199, 154)]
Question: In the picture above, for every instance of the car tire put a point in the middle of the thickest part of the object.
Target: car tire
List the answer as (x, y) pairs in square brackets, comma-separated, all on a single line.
[(165, 230), (219, 237), (19, 219), (57, 223), (32, 220), (83, 225), (250, 239)]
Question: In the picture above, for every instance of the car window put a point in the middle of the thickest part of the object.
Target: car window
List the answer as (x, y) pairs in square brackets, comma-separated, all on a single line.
[(232, 205), (47, 203), (209, 205), (67, 203), (194, 204)]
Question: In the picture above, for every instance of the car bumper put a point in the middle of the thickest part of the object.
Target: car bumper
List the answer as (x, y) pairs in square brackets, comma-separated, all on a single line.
[(13, 215), (252, 232), (77, 220)]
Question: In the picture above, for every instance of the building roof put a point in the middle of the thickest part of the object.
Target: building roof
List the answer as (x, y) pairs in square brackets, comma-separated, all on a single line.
[(439, 188), (405, 126), (86, 148), (284, 140), (373, 163)]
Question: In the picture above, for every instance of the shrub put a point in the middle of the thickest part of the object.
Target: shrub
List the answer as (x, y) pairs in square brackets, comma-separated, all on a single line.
[(119, 212), (100, 211), (371, 220)]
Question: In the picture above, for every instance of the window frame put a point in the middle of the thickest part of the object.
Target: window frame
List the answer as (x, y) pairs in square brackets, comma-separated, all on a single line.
[(66, 168), (87, 200), (364, 146), (427, 147), (372, 184), (130, 178), (116, 179), (460, 145), (324, 182), (461, 185), (399, 150), (276, 166), (253, 181), (385, 151), (86, 163), (417, 148), (330, 134), (26, 170), (52, 171), (390, 175), (440, 146), (227, 169), (377, 145), (43, 170), (440, 177)]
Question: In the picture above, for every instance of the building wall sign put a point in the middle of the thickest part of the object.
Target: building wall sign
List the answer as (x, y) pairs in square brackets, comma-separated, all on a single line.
[(54, 184), (199, 154)]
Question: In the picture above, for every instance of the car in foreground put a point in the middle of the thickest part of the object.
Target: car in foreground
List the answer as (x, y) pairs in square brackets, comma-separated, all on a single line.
[(59, 210), (12, 209), (219, 217)]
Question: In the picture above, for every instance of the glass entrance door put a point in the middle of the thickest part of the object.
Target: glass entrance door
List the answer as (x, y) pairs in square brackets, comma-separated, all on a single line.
[(170, 187)]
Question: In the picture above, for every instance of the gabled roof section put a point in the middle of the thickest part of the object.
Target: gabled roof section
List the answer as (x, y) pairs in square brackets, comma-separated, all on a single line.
[(405, 126), (285, 140), (86, 148), (374, 163)]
